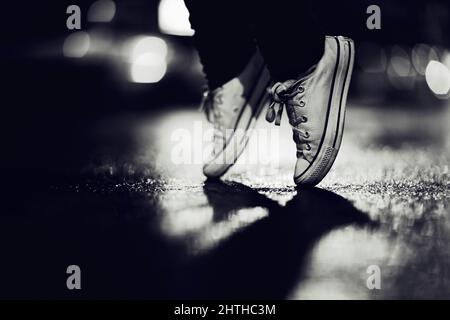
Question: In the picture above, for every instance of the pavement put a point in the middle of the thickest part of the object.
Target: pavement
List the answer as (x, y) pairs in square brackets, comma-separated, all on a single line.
[(141, 221)]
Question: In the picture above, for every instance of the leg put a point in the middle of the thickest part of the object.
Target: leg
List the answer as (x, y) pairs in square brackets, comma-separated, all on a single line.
[(288, 35), (222, 38)]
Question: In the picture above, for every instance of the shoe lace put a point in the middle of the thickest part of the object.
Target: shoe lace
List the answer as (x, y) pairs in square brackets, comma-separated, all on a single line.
[(281, 96)]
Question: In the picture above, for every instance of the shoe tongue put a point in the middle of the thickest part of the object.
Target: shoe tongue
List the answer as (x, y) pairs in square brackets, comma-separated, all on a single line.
[(217, 91), (305, 75), (302, 77), (291, 84)]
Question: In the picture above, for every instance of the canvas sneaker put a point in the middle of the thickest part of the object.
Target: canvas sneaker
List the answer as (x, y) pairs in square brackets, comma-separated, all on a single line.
[(315, 103), (233, 109)]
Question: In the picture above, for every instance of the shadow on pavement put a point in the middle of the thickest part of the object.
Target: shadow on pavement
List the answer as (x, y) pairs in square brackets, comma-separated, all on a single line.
[(265, 260), (114, 238)]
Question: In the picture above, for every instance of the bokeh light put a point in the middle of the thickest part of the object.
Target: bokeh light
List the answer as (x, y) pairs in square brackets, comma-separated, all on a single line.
[(76, 45), (437, 75), (173, 18), (400, 62), (421, 55), (148, 58), (102, 11), (400, 72)]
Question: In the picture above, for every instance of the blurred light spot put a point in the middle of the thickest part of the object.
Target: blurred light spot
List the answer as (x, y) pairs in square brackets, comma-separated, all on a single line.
[(446, 59), (436, 53), (400, 62), (189, 220), (148, 59), (400, 72), (420, 57), (371, 57), (76, 45), (173, 18), (101, 41), (222, 230), (147, 44), (148, 69), (438, 78), (346, 252), (102, 11)]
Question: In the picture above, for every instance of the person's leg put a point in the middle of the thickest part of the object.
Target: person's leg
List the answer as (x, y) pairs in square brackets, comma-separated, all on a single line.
[(288, 35), (222, 38)]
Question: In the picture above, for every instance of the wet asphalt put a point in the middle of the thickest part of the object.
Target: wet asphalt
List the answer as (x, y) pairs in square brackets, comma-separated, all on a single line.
[(141, 222)]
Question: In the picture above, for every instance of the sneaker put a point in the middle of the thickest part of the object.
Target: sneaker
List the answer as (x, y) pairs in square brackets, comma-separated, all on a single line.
[(233, 109), (315, 103)]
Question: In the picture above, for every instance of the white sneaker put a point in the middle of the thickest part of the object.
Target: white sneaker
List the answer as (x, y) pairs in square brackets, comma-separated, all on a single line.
[(233, 109), (315, 103)]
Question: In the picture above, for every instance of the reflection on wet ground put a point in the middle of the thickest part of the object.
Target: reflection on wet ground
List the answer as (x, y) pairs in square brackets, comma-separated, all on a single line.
[(141, 227)]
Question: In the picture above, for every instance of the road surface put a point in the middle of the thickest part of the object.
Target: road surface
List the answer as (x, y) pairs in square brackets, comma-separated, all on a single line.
[(141, 221)]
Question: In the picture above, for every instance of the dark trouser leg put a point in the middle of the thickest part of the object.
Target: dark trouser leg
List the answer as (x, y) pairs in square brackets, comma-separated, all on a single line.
[(290, 39), (222, 37)]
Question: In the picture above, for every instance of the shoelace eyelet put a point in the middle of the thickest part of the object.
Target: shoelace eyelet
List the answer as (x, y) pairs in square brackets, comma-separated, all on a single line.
[(308, 147), (304, 119), (302, 104), (306, 135), (301, 89)]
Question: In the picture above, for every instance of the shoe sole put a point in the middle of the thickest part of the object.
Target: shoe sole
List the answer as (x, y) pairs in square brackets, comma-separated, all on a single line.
[(334, 125), (246, 121)]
